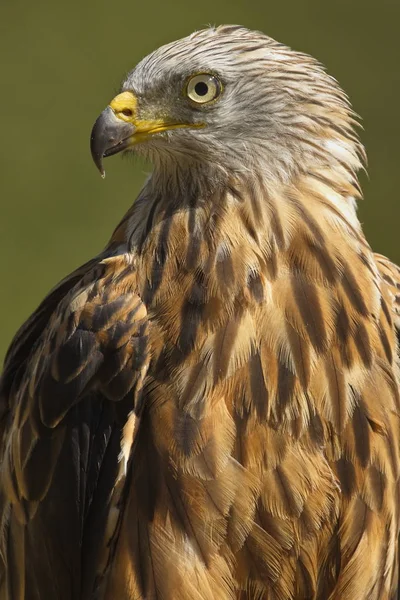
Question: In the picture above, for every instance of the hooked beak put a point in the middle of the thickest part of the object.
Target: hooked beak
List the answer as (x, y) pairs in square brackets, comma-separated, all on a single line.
[(109, 136), (114, 128), (118, 128)]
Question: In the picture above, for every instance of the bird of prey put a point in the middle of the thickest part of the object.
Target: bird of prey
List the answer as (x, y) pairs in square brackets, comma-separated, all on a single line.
[(209, 409)]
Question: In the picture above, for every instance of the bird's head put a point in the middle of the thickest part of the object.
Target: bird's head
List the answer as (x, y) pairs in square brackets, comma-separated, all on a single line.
[(233, 100)]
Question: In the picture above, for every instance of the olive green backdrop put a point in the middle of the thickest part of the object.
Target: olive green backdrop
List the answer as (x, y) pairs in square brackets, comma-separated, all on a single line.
[(62, 61)]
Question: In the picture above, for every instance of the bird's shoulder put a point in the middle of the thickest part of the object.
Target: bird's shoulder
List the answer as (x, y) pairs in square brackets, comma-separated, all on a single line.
[(93, 312), (84, 335)]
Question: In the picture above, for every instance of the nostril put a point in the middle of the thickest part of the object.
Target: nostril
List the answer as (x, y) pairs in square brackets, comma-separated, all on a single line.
[(127, 112)]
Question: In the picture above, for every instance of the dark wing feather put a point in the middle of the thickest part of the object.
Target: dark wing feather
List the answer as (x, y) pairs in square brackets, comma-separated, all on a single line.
[(72, 376)]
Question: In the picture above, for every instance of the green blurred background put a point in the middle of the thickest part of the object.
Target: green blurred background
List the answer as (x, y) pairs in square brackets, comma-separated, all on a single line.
[(62, 61)]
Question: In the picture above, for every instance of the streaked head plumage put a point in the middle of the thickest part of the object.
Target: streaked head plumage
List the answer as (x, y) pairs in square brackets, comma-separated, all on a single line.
[(277, 110)]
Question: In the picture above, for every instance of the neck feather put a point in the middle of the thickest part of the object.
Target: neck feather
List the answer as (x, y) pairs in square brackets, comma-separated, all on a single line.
[(284, 268), (308, 224)]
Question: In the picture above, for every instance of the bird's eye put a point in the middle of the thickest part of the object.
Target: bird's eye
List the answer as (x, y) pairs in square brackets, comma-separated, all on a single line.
[(203, 88)]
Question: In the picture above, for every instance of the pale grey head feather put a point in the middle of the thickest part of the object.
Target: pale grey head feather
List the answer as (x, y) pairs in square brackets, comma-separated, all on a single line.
[(280, 113)]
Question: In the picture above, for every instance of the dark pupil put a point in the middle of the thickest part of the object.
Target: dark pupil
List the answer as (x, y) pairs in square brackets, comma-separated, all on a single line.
[(201, 88)]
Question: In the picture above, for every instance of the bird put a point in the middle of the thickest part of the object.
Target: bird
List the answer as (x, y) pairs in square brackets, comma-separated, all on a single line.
[(209, 408)]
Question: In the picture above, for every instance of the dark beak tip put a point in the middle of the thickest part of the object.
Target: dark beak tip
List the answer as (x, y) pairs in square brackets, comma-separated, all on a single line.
[(97, 145), (98, 161)]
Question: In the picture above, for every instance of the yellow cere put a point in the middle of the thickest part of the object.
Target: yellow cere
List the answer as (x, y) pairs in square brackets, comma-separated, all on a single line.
[(124, 106)]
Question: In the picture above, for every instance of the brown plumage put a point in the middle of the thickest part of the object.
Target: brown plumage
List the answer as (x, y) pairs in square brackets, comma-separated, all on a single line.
[(210, 408)]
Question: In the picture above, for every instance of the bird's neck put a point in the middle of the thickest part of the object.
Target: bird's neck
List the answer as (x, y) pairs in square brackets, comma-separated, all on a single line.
[(246, 224), (263, 260)]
